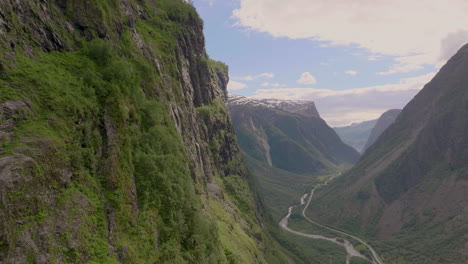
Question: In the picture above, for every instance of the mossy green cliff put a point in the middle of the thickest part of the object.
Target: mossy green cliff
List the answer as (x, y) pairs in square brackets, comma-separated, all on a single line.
[(115, 144)]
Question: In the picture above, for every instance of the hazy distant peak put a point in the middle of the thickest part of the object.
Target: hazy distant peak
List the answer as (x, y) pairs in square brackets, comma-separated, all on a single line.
[(356, 134), (384, 121)]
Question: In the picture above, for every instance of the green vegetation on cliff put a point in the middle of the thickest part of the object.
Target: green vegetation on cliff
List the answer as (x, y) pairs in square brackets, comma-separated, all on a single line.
[(72, 98), (104, 157)]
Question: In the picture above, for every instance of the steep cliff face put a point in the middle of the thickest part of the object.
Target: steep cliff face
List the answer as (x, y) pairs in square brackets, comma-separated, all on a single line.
[(409, 190), (288, 135), (115, 144), (384, 121)]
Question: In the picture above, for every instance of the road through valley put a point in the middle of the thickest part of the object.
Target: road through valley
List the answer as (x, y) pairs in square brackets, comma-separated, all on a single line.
[(350, 250)]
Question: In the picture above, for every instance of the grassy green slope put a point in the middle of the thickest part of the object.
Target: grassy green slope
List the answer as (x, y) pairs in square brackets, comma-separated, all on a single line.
[(279, 189), (69, 96)]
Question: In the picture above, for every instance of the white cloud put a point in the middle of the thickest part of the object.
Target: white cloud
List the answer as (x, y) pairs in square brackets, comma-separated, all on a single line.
[(236, 86), (307, 78), (408, 64), (254, 77), (267, 84), (354, 105), (351, 72), (414, 32)]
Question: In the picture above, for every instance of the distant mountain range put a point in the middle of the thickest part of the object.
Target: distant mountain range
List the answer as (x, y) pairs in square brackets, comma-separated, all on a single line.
[(357, 134), (288, 135), (384, 121), (409, 192), (361, 135)]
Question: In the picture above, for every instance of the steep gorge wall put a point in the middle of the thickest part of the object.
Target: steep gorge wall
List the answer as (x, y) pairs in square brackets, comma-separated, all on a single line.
[(408, 192), (115, 144)]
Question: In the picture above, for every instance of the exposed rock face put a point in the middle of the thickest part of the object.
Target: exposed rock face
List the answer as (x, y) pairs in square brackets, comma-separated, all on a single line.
[(357, 134), (10, 113), (289, 135), (115, 143), (410, 188), (384, 121)]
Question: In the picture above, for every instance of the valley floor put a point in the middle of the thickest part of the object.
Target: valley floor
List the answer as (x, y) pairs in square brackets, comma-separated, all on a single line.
[(352, 251)]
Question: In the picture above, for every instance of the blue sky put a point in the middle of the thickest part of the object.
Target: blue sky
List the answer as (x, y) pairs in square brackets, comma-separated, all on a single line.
[(349, 67)]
